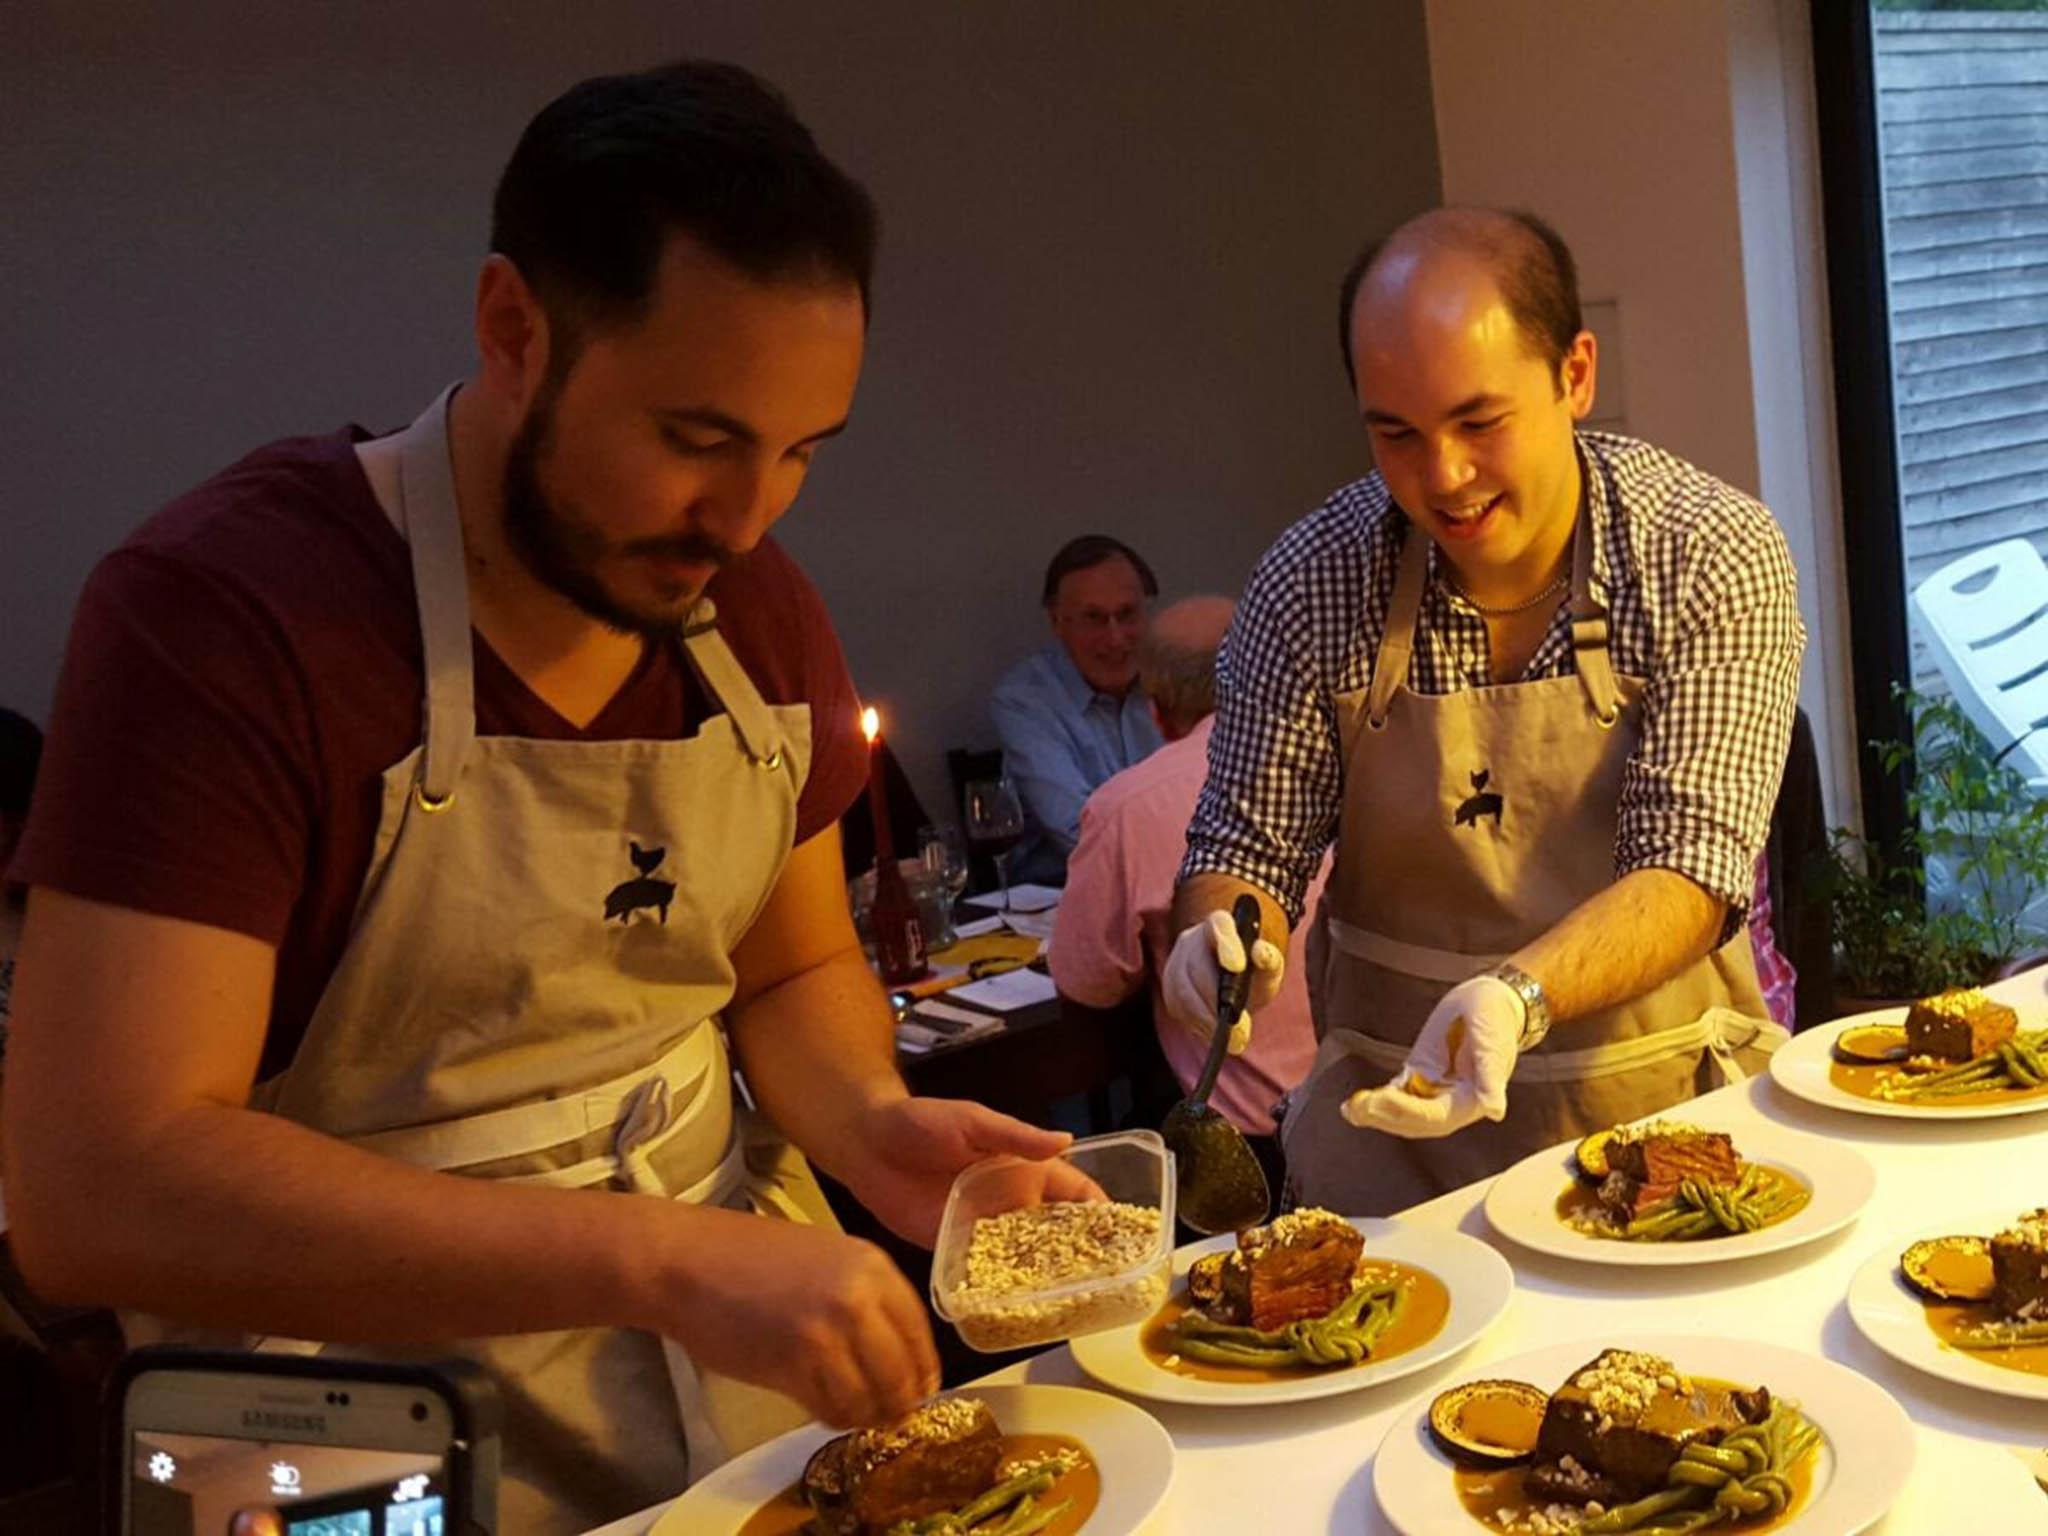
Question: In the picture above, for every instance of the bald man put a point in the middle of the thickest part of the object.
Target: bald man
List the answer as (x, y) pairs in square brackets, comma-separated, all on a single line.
[(1112, 936), (1534, 683)]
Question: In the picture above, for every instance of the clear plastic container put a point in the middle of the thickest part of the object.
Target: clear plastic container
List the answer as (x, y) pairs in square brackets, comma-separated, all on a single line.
[(1078, 1268)]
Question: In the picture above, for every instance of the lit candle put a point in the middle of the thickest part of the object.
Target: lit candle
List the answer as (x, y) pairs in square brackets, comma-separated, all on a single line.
[(878, 791)]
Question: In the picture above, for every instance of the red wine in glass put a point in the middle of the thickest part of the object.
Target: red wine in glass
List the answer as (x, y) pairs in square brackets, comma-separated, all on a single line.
[(994, 824)]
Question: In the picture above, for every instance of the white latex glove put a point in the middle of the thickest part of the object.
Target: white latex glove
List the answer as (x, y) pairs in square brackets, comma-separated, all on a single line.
[(1458, 1070), (1195, 968)]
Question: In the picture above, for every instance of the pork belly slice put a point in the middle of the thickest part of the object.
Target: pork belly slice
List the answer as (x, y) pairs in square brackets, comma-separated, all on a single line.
[(1958, 1025), (937, 1458), (2019, 1268), (1298, 1266), (1623, 1418)]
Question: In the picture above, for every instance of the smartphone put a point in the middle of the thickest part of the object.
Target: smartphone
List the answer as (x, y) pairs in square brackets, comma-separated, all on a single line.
[(225, 1444)]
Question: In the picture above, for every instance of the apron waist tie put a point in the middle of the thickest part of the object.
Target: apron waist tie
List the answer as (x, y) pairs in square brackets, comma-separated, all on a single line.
[(526, 1128), (1409, 959), (1721, 1032)]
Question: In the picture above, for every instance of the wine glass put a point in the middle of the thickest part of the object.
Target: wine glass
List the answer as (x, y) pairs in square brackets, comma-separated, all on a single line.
[(995, 824), (943, 854)]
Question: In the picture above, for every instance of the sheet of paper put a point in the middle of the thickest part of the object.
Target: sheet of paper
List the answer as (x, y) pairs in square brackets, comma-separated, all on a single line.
[(1008, 992), (1025, 899), (966, 1018)]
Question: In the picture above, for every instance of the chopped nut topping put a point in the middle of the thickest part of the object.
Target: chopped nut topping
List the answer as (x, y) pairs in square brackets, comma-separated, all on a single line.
[(1622, 1383), (948, 1418), (1038, 1246), (1012, 1257), (2031, 1230), (1955, 1006)]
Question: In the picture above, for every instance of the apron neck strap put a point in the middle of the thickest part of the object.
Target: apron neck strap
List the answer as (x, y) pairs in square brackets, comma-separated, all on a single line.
[(433, 533), (728, 684), (1588, 615), (1397, 641)]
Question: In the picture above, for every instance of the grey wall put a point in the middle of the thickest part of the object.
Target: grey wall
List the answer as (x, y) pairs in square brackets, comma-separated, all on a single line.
[(1113, 234)]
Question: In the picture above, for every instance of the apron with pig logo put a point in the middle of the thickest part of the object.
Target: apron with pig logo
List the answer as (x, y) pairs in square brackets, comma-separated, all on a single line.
[(531, 991)]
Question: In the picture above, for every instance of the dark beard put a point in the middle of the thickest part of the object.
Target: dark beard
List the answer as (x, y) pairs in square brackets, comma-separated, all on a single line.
[(562, 551)]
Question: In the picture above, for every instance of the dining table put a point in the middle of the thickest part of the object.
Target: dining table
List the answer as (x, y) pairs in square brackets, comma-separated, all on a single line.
[(1308, 1466)]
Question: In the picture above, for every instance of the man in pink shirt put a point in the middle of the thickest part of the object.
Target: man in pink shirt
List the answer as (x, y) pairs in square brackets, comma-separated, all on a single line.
[(1112, 933)]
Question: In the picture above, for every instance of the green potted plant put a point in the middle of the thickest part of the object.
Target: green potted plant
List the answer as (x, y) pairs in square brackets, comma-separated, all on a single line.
[(1973, 818)]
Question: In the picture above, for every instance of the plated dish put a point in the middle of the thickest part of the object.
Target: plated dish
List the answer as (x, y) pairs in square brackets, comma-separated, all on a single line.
[(1311, 1306), (1666, 1181), (1662, 1433), (1967, 1301), (1662, 1192), (992, 1461), (1958, 1055)]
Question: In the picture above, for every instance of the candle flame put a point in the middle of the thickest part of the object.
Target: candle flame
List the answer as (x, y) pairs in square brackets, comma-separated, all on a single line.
[(870, 724)]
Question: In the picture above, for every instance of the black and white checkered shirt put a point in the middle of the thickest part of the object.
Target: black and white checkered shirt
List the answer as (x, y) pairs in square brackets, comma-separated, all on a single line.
[(1702, 603)]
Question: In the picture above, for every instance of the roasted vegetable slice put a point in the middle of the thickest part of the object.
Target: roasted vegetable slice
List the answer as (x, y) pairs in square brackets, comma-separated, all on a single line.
[(1488, 1423), (1591, 1155), (1949, 1268), (1874, 1045)]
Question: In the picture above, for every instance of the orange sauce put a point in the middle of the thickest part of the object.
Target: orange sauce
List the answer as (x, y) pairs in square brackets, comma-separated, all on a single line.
[(1487, 1495), (1419, 1320), (1863, 1081), (788, 1515), (1579, 1207)]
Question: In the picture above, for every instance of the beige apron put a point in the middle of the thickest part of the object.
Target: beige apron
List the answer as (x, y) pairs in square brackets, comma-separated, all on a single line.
[(531, 993), (1473, 822)]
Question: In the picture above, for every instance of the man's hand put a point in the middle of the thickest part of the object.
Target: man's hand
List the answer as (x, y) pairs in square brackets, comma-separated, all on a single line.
[(819, 1316), (1458, 1070), (910, 1150), (1194, 969)]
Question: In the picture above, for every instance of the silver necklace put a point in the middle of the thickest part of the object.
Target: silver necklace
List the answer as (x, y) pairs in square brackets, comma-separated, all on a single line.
[(1506, 610)]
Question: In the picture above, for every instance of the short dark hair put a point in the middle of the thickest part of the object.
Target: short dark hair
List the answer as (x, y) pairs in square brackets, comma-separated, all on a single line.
[(21, 752), (1089, 551), (612, 167), (1530, 262)]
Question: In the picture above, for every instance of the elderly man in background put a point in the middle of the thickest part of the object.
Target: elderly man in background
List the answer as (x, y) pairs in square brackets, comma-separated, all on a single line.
[(1071, 714), (1112, 930)]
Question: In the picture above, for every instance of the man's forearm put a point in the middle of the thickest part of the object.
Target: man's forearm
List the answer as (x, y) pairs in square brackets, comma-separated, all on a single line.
[(818, 1050), (225, 1217), (1633, 936), (1210, 891)]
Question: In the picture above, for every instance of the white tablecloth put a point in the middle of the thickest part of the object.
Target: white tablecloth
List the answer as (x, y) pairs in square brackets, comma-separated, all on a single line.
[(1308, 1467)]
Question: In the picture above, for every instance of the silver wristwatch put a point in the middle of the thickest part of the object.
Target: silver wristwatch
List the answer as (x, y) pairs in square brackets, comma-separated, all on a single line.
[(1535, 1006)]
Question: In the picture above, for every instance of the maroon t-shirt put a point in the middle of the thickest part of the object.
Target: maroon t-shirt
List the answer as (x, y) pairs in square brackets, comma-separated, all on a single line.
[(243, 669)]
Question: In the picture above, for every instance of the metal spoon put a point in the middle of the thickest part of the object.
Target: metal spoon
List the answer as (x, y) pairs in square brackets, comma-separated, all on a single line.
[(1220, 1185)]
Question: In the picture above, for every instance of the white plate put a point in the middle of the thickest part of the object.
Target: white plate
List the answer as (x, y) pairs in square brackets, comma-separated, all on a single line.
[(1129, 1446), (1522, 1202), (1893, 1319), (1866, 1451), (1800, 1066), (1478, 1279)]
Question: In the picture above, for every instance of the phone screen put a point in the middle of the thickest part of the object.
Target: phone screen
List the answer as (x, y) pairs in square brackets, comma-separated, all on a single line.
[(218, 1485)]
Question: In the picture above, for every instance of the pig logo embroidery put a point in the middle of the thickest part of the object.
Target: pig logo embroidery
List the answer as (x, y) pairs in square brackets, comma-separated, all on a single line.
[(1481, 802), (629, 896)]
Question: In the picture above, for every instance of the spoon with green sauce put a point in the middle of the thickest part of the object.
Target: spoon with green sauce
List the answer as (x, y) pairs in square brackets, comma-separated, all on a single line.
[(1219, 1184)]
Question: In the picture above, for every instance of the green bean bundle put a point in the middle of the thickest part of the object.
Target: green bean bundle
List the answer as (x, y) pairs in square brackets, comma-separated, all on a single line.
[(1343, 1336), (1999, 1334), (1700, 1209), (1747, 1476), (2021, 1062), (1015, 1501)]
